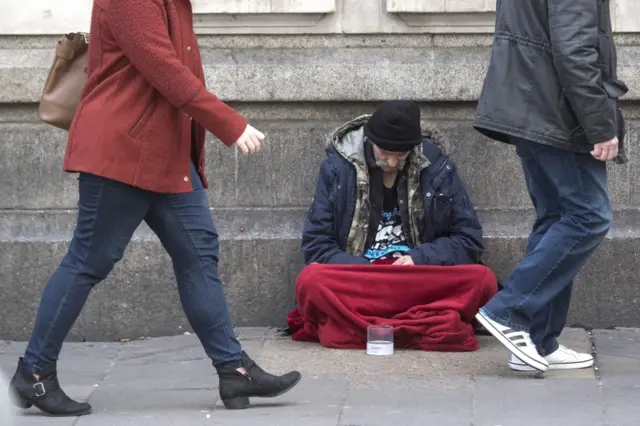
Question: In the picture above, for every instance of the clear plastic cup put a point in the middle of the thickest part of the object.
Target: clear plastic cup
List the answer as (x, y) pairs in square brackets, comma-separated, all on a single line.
[(380, 340)]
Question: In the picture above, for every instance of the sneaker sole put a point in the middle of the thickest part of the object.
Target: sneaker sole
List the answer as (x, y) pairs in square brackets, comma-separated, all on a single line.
[(564, 366), (510, 345)]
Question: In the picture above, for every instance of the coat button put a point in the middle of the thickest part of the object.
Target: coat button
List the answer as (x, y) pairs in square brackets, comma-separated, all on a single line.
[(428, 194), (188, 48), (186, 179)]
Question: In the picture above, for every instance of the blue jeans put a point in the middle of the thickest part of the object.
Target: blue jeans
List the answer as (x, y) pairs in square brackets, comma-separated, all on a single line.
[(108, 214), (573, 214)]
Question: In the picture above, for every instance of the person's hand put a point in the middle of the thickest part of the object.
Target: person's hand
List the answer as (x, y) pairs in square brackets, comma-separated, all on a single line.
[(249, 141), (605, 151), (404, 260)]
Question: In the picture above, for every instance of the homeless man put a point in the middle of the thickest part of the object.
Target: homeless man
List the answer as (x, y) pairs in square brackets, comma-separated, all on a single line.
[(390, 238)]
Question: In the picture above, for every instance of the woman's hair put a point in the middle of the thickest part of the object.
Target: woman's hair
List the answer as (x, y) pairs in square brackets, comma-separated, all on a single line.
[(7, 408)]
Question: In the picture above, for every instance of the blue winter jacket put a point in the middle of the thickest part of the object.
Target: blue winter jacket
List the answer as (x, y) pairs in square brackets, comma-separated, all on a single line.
[(443, 226)]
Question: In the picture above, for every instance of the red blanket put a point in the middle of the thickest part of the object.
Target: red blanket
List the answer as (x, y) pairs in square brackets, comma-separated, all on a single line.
[(431, 308)]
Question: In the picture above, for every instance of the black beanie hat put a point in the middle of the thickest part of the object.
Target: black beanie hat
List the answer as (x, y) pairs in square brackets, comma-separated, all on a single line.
[(395, 126)]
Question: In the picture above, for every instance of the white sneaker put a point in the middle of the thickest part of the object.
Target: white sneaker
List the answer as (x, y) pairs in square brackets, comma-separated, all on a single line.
[(562, 359), (518, 342)]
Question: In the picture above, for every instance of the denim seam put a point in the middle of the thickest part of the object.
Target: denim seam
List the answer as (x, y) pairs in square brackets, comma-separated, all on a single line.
[(541, 282), (523, 301), (71, 285), (217, 308)]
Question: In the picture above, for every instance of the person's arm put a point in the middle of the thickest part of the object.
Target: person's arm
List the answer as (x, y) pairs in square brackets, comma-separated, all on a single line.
[(463, 242), (140, 28), (573, 27), (319, 239)]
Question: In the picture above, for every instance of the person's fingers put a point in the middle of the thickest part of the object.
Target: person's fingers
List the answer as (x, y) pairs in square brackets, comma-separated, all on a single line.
[(256, 142), (597, 151), (603, 154), (250, 145), (260, 135), (242, 146)]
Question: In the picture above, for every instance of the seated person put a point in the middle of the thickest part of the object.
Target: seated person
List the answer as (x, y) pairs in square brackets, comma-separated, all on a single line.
[(390, 238)]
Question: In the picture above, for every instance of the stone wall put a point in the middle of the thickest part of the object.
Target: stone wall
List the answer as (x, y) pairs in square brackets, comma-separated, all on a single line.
[(297, 69)]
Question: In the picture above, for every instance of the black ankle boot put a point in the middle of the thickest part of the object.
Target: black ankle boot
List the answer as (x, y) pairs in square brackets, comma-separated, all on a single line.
[(236, 388), (45, 394)]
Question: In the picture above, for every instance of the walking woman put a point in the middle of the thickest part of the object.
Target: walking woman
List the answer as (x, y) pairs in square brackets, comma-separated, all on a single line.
[(137, 141)]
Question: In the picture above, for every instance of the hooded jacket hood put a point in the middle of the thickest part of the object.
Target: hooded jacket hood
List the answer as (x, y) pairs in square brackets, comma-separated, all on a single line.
[(348, 141)]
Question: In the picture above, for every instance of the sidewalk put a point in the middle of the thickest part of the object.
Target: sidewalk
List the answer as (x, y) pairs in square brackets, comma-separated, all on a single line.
[(168, 381)]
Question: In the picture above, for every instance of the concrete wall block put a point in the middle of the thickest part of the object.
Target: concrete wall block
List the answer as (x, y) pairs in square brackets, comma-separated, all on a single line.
[(234, 7), (428, 73), (296, 16), (140, 297), (259, 270), (284, 173)]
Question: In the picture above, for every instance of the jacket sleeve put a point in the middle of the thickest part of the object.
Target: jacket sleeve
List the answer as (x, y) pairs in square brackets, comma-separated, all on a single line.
[(319, 236), (140, 30), (462, 244), (573, 27)]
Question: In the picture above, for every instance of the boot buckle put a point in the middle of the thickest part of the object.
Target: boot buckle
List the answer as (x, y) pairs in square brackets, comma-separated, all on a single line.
[(40, 390)]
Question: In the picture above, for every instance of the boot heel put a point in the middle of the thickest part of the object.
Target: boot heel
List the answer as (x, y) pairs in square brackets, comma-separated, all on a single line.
[(236, 403), (21, 403)]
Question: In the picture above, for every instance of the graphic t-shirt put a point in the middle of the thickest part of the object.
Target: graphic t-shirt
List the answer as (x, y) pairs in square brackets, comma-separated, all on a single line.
[(390, 241)]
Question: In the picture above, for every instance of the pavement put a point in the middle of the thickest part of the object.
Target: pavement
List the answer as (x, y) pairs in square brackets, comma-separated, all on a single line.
[(169, 381)]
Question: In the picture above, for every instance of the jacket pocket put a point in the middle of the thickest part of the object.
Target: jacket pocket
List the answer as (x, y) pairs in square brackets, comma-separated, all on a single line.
[(441, 206), (141, 123)]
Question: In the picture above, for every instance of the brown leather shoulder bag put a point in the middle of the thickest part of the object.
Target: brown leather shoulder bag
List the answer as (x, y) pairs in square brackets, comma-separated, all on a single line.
[(65, 81)]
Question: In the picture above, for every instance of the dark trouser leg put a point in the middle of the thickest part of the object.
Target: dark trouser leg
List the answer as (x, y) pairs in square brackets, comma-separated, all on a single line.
[(184, 225), (548, 322), (543, 278), (108, 214)]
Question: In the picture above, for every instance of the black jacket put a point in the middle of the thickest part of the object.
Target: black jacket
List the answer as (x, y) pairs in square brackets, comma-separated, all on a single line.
[(552, 75)]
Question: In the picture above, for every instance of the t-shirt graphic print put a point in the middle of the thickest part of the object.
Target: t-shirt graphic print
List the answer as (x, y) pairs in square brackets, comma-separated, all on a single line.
[(390, 241)]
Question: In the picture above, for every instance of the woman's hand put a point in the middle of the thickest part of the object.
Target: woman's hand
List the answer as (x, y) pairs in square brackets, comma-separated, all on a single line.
[(249, 142)]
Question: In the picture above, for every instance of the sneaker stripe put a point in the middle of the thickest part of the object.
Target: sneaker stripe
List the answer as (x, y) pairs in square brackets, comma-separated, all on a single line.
[(500, 332)]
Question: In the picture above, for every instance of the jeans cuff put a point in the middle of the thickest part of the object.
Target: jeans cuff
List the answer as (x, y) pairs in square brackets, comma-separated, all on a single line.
[(507, 322), (550, 350), (30, 368)]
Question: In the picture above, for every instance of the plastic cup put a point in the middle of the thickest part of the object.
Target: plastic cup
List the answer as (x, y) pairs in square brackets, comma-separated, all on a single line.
[(380, 340)]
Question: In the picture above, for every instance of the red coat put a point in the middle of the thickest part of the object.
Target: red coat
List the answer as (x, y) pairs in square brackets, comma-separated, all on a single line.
[(145, 85)]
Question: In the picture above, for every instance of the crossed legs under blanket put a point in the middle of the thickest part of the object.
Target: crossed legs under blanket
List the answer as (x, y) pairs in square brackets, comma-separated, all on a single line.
[(431, 308)]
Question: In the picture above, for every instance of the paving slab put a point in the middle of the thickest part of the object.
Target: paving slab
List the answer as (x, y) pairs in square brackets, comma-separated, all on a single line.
[(535, 402), (81, 368), (413, 402), (619, 366), (618, 352), (170, 381), (317, 400)]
